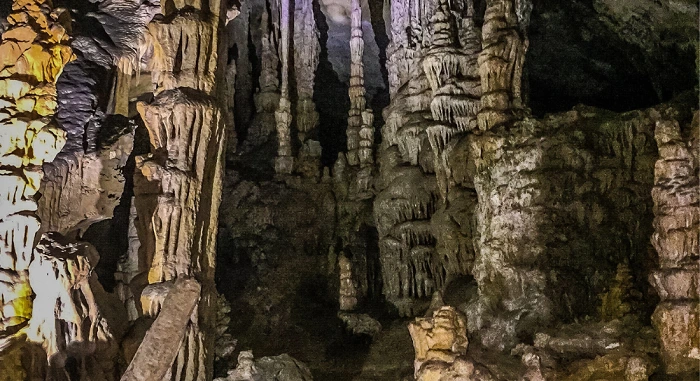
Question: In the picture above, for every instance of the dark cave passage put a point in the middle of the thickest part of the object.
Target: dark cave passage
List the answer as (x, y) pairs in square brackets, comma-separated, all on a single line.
[(596, 65), (331, 98)]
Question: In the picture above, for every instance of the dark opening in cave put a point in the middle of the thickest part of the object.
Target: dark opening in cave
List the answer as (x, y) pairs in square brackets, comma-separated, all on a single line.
[(575, 57), (331, 98)]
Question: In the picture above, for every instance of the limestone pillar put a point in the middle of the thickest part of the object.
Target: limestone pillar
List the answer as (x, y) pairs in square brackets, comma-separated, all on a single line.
[(360, 133), (178, 192), (306, 52), (676, 239), (284, 162)]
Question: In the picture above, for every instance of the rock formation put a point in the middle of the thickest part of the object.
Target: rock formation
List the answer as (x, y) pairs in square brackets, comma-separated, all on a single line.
[(356, 91), (306, 50), (34, 51), (178, 194), (284, 163), (188, 182), (675, 238), (441, 344), (278, 368), (66, 319)]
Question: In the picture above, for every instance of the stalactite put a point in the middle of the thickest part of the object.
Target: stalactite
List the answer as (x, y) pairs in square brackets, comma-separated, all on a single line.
[(450, 69), (284, 162), (267, 95), (269, 79), (33, 51)]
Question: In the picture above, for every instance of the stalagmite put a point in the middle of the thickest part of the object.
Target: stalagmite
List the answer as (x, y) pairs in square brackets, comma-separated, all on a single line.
[(440, 343), (676, 239), (33, 51), (284, 162), (348, 289), (66, 319)]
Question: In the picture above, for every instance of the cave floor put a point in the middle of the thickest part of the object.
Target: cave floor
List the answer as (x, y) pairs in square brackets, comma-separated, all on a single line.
[(285, 308)]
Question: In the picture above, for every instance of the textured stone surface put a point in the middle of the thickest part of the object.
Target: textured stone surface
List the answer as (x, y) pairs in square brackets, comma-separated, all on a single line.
[(34, 51), (440, 343), (553, 238), (69, 319), (163, 341), (676, 239), (277, 368)]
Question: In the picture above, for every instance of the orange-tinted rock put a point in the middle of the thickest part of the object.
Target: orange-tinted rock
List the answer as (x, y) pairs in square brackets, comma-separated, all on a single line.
[(23, 33), (438, 341)]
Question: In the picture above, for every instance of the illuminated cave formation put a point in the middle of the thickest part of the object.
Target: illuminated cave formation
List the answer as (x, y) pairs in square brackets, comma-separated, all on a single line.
[(263, 190)]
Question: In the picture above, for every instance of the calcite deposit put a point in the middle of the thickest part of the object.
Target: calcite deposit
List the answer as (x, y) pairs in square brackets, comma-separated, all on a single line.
[(34, 50), (676, 239), (359, 190)]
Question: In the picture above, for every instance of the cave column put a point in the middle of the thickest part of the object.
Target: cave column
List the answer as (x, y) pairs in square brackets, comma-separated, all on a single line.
[(306, 53), (450, 66), (448, 62), (267, 99), (360, 132), (676, 240), (178, 192), (514, 217), (284, 162), (33, 53), (501, 61), (353, 174)]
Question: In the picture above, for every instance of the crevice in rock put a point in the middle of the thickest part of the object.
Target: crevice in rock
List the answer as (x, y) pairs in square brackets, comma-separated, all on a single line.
[(330, 96)]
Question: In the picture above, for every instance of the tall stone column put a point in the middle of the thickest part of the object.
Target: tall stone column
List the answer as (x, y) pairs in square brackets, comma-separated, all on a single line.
[(357, 116), (306, 51), (178, 195), (452, 72), (513, 220), (677, 241), (33, 52), (450, 65), (284, 163)]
